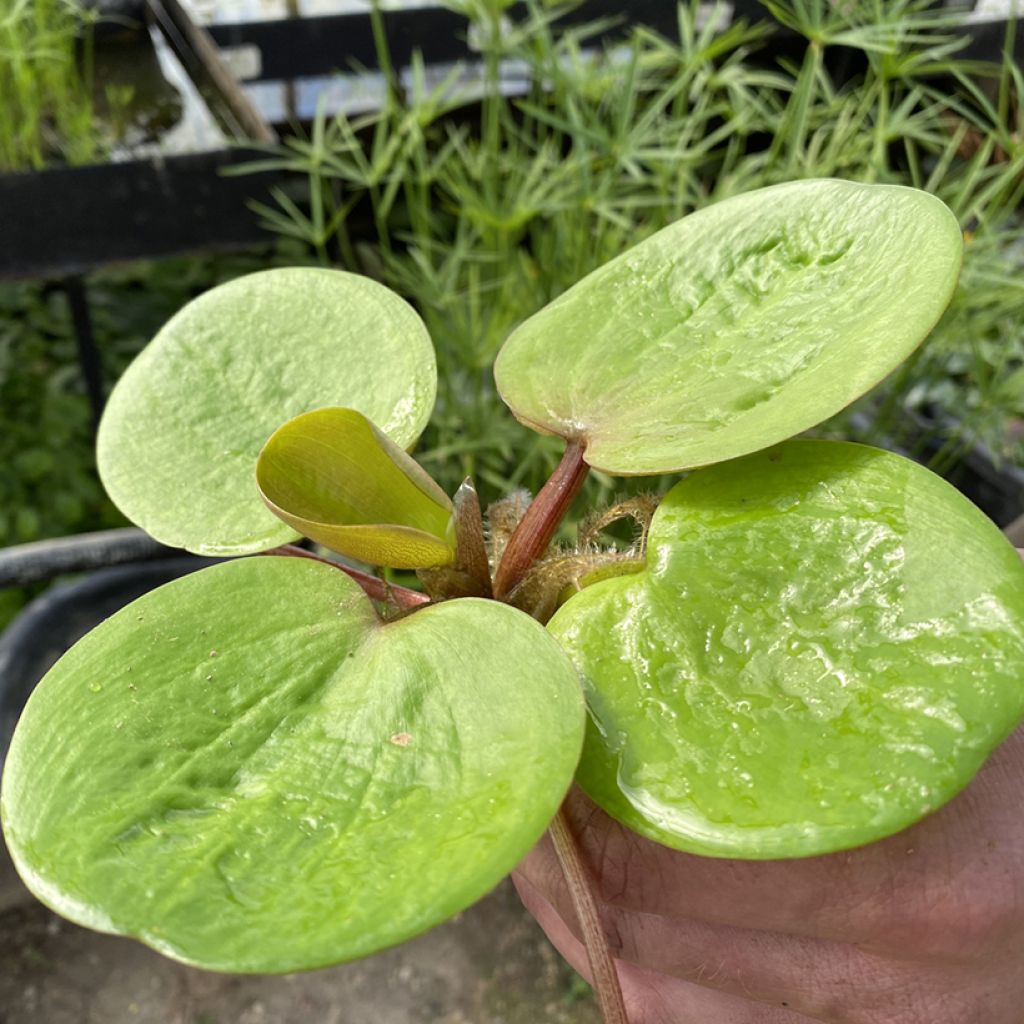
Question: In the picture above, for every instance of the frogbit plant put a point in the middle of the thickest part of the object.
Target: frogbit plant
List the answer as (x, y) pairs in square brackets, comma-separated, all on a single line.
[(280, 763)]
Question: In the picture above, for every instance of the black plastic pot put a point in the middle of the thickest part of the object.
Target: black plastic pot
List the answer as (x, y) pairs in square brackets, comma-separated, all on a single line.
[(68, 220), (64, 614)]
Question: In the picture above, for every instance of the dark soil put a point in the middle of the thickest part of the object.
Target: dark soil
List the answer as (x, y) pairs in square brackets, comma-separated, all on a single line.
[(490, 965)]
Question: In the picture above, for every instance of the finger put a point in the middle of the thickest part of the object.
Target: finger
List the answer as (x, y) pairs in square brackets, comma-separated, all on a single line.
[(652, 998), (947, 889), (823, 980)]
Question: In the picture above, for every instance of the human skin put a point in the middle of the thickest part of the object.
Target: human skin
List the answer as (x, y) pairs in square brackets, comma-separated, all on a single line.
[(925, 927)]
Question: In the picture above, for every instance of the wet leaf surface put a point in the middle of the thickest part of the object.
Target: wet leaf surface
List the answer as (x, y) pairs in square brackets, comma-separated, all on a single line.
[(180, 435), (736, 327), (826, 644), (249, 772)]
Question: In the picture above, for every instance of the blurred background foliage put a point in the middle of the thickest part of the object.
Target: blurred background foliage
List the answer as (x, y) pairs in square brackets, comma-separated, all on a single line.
[(484, 206), (480, 193), (45, 83), (49, 486)]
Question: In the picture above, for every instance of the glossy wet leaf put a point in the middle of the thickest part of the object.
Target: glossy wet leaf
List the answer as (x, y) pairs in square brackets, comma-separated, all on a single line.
[(334, 477), (827, 642), (181, 432), (248, 771), (736, 327)]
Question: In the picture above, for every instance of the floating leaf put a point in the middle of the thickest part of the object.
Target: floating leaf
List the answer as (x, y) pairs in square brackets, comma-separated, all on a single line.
[(334, 477), (827, 642), (249, 772), (184, 425), (736, 327)]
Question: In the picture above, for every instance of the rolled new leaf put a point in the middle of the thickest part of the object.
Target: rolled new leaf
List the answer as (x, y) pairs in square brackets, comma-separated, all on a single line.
[(333, 476), (737, 327), (826, 643), (248, 771), (181, 432)]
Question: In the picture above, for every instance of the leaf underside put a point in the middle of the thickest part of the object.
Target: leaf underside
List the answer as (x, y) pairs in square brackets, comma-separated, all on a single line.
[(827, 642), (737, 327), (246, 770)]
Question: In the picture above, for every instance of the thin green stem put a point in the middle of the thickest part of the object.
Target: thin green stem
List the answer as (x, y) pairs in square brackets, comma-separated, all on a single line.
[(880, 147), (383, 50)]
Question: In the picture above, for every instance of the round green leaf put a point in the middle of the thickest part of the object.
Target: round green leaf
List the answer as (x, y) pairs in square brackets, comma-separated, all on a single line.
[(178, 442), (827, 642), (736, 327), (246, 770), (334, 477)]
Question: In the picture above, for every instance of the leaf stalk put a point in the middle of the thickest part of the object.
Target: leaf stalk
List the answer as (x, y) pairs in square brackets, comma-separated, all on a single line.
[(535, 530), (373, 586), (602, 967)]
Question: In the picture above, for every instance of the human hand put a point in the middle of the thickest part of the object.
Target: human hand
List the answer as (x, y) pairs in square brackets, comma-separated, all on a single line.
[(925, 927)]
